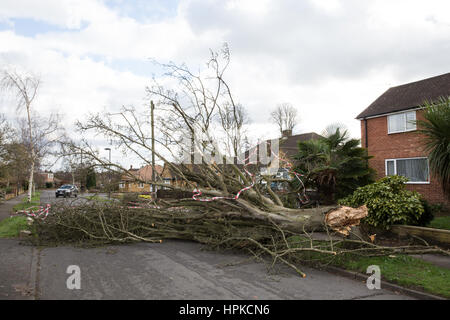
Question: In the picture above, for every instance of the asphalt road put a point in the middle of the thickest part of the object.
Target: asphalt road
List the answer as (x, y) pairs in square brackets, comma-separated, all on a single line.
[(170, 270), (48, 196)]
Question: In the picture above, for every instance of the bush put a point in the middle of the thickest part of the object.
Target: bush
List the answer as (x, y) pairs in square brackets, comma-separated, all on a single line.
[(428, 214), (388, 203), (91, 180), (49, 185)]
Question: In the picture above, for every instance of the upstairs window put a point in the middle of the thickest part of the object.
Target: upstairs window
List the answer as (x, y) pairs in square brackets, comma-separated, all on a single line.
[(402, 122), (415, 169)]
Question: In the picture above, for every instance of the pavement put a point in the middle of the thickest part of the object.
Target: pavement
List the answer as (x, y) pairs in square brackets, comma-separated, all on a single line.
[(6, 206), (437, 260)]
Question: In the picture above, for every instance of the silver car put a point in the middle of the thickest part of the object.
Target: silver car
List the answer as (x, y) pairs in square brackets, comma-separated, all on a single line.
[(67, 190)]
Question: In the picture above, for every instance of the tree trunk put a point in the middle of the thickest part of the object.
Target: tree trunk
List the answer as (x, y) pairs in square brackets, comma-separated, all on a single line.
[(30, 182), (336, 218), (33, 155)]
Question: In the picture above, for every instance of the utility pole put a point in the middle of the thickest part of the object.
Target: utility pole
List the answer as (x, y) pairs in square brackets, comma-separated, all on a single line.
[(82, 185), (152, 108), (109, 173)]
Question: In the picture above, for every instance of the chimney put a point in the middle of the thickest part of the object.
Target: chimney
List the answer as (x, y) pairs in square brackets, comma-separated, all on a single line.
[(286, 133), (131, 166)]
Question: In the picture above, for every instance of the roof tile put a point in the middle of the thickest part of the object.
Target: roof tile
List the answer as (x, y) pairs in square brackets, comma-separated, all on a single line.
[(409, 96)]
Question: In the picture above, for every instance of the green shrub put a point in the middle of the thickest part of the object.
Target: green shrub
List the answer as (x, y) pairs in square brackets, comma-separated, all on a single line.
[(388, 202), (428, 214), (49, 185)]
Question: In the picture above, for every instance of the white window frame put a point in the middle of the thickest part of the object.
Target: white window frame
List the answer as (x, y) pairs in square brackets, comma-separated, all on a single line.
[(406, 121), (121, 185), (395, 169), (141, 185)]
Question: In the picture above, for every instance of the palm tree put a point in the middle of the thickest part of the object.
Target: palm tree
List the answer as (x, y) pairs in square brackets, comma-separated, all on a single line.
[(335, 164), (436, 129)]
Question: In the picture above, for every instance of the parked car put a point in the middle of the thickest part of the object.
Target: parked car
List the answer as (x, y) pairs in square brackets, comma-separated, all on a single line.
[(67, 190)]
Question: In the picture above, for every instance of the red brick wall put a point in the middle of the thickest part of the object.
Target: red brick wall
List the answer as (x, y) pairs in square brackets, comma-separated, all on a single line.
[(382, 146)]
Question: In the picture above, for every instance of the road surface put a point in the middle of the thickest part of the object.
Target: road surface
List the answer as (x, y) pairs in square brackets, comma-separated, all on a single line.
[(170, 270)]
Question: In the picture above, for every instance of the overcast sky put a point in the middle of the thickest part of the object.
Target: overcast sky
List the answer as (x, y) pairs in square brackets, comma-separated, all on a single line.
[(329, 58)]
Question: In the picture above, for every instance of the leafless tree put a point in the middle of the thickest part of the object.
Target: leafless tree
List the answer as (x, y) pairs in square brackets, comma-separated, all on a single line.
[(36, 131), (284, 116), (233, 120), (236, 205), (193, 109)]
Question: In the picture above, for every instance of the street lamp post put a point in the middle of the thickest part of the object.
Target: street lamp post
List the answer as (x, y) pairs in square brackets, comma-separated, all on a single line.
[(109, 173)]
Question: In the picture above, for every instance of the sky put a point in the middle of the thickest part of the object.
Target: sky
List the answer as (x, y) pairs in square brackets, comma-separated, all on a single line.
[(329, 58)]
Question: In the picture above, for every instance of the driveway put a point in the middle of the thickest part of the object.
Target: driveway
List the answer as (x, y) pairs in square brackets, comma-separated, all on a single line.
[(171, 270)]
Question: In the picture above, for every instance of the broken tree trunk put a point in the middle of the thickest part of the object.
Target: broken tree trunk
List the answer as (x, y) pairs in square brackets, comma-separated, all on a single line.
[(294, 220), (344, 218)]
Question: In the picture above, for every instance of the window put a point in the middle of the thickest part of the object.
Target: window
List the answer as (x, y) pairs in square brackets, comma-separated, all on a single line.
[(402, 122), (121, 185), (141, 185), (415, 169)]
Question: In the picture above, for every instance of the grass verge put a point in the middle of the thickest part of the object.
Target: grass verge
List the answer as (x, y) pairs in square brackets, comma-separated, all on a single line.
[(11, 227), (99, 198), (403, 270), (440, 223), (35, 201)]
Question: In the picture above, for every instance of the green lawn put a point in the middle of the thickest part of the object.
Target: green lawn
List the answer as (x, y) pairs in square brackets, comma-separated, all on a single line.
[(99, 198), (11, 227), (35, 201), (440, 223), (406, 271)]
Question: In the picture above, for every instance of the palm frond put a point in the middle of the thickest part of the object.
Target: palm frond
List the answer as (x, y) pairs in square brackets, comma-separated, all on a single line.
[(435, 128)]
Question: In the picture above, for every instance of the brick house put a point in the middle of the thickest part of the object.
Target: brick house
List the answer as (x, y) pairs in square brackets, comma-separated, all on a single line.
[(389, 133), (288, 145), (129, 184), (171, 177), (42, 178)]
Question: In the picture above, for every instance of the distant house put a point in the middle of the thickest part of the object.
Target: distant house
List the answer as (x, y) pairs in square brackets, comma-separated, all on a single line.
[(49, 177), (44, 178), (388, 131), (288, 146), (130, 182), (171, 176), (289, 143)]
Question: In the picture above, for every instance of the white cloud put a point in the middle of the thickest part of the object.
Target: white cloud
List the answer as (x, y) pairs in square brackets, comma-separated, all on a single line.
[(330, 58), (63, 13)]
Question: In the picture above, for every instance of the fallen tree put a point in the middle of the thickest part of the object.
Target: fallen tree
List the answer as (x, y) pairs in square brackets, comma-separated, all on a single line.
[(96, 224), (232, 202)]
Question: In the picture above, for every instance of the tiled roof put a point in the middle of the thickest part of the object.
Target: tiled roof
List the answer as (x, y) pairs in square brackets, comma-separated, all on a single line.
[(409, 96), (144, 173)]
